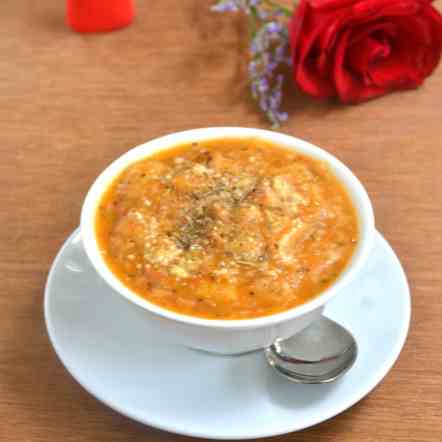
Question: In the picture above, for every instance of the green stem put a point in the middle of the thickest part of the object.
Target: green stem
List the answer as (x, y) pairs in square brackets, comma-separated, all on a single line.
[(285, 9), (253, 19)]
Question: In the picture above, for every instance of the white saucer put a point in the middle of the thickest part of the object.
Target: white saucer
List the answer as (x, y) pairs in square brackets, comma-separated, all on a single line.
[(120, 359)]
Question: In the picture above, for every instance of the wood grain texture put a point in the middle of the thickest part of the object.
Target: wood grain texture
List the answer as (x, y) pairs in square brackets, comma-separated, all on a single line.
[(71, 103)]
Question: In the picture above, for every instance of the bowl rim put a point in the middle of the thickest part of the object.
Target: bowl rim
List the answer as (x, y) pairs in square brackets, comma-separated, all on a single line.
[(346, 177)]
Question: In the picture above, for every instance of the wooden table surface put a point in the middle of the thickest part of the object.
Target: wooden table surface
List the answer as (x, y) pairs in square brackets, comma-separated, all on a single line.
[(71, 103)]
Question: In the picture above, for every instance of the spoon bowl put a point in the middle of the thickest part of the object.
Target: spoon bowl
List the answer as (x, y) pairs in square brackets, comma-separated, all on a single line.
[(320, 353)]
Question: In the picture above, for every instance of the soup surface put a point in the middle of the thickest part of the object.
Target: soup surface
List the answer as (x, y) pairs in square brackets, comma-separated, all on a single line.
[(227, 229)]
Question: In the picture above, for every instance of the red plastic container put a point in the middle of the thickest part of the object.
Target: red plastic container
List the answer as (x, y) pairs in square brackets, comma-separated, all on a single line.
[(99, 15)]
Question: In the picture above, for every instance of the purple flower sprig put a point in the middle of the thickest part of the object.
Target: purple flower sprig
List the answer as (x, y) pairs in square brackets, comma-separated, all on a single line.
[(269, 49), (264, 7)]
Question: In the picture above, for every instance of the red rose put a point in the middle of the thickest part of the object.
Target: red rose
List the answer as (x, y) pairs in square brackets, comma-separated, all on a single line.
[(360, 49)]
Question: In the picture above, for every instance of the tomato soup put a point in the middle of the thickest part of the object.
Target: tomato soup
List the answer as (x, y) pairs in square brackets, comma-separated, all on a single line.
[(227, 228)]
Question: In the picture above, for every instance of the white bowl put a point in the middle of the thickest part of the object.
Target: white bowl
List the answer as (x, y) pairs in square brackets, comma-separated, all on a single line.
[(229, 336)]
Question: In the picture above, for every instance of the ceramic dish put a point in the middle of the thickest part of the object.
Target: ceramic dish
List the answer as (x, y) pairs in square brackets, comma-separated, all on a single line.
[(230, 336), (128, 364)]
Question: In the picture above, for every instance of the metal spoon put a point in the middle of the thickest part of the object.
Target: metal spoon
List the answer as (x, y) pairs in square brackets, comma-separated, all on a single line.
[(320, 353)]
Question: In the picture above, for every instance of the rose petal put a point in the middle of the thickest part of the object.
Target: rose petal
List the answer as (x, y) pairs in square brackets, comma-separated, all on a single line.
[(316, 85), (312, 26), (349, 87), (366, 53), (435, 19), (415, 56), (295, 26), (384, 28), (311, 68), (396, 73), (331, 4), (392, 8)]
